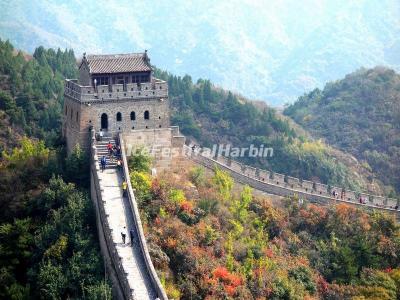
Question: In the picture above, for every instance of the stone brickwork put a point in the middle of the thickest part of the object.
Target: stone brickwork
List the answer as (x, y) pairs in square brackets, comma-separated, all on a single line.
[(164, 144), (264, 175), (308, 193), (250, 171), (351, 196), (293, 182), (378, 200), (236, 166), (114, 108), (279, 179), (321, 189), (308, 186), (390, 202)]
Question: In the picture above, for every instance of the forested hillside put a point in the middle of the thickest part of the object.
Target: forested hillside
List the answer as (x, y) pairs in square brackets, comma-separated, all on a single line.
[(214, 116), (361, 115), (210, 238), (48, 238)]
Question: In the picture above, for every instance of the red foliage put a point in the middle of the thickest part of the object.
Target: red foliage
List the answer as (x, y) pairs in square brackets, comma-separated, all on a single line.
[(230, 281), (230, 290), (157, 221), (388, 270), (186, 206), (220, 273), (323, 285), (269, 253)]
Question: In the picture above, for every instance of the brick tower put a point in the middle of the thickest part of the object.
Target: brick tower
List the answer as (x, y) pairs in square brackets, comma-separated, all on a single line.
[(114, 93)]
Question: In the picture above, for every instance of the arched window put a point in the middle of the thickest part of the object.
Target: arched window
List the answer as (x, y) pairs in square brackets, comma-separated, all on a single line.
[(119, 116), (146, 115), (104, 121), (133, 116)]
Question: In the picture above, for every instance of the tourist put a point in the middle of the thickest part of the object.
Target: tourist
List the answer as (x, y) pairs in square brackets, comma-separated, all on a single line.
[(118, 150), (396, 207), (124, 188), (110, 148), (123, 234), (103, 163), (119, 165), (101, 134)]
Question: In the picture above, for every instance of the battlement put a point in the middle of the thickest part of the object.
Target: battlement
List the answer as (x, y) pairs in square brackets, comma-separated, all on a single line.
[(157, 88)]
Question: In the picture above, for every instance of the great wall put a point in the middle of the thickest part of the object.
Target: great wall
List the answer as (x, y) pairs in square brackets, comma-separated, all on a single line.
[(141, 113)]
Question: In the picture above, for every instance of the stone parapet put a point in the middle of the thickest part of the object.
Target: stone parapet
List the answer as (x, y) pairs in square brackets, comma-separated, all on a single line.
[(138, 223), (86, 94), (277, 186)]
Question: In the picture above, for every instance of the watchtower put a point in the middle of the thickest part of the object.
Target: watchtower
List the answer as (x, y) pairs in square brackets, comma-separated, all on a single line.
[(114, 93)]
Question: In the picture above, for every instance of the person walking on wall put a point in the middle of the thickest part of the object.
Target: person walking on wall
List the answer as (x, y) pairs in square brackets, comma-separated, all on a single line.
[(119, 165), (101, 135), (123, 234), (103, 163), (110, 149)]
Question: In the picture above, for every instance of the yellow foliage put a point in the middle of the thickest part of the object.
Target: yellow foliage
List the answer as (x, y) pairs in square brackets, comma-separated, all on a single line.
[(58, 248), (172, 291), (313, 146)]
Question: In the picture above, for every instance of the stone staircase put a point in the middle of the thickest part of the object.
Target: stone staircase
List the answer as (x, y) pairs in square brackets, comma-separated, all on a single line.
[(102, 151)]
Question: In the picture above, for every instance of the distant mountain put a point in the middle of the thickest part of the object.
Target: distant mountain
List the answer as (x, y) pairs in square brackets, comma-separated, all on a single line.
[(271, 51), (361, 115), (214, 116)]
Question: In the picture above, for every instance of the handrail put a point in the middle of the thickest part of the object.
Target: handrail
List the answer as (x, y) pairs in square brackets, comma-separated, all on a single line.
[(138, 224)]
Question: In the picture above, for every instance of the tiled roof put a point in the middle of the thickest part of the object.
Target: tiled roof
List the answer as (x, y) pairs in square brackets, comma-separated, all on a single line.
[(118, 63)]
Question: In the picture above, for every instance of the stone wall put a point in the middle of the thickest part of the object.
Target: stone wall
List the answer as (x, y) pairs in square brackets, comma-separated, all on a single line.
[(308, 186), (264, 175), (120, 283), (84, 116), (293, 182), (164, 144), (321, 189), (84, 106), (279, 179), (350, 196), (142, 239), (278, 187)]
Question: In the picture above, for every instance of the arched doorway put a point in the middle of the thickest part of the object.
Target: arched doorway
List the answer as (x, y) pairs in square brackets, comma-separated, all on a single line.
[(104, 121)]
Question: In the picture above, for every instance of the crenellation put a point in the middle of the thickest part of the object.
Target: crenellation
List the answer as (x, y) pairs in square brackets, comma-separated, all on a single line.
[(278, 179), (378, 200), (293, 182), (390, 202), (350, 196), (321, 189), (264, 175), (251, 172), (236, 166), (308, 186), (113, 97)]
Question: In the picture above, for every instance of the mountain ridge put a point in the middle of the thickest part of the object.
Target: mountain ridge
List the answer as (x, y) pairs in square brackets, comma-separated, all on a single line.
[(276, 56)]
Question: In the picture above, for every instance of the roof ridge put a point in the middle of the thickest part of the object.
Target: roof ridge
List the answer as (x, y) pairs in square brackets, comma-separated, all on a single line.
[(111, 56)]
